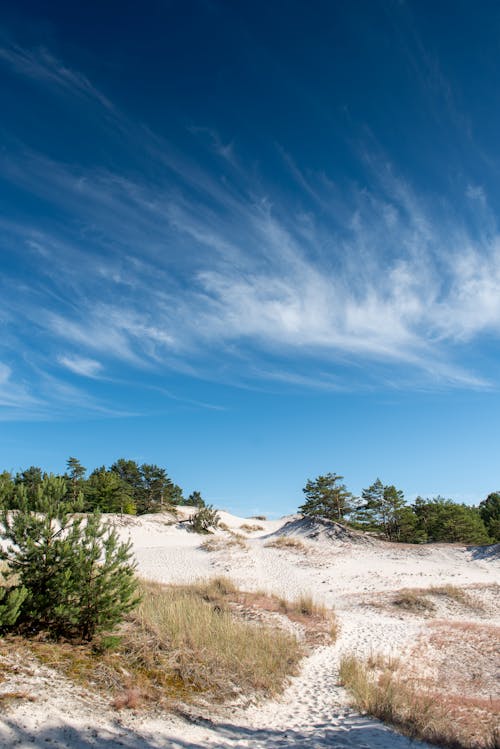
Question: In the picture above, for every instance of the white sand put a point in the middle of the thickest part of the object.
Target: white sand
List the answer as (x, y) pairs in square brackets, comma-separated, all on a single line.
[(343, 572)]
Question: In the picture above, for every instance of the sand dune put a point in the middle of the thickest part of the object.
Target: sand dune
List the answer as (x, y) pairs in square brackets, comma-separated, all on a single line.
[(340, 568)]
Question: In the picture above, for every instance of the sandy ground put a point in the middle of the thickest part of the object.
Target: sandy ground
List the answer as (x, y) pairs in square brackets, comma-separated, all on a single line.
[(352, 574)]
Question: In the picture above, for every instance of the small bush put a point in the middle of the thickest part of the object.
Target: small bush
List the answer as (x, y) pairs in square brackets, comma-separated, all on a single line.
[(258, 517), (204, 519)]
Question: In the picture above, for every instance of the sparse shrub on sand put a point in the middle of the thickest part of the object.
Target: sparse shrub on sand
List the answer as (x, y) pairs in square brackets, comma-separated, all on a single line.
[(286, 542), (204, 519)]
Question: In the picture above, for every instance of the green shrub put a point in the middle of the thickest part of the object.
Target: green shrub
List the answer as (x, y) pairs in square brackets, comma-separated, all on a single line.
[(78, 576), (204, 519), (11, 601)]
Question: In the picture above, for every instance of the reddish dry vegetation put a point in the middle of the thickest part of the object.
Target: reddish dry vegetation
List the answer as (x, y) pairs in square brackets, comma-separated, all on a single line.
[(457, 664), (318, 624)]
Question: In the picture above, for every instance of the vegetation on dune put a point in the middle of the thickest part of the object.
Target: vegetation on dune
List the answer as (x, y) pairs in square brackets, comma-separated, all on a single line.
[(66, 574), (326, 497), (205, 518), (183, 642), (127, 487), (287, 542), (382, 509), (433, 695), (251, 527), (489, 510)]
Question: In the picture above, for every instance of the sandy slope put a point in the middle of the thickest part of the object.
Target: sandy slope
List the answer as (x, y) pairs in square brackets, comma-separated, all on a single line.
[(348, 572)]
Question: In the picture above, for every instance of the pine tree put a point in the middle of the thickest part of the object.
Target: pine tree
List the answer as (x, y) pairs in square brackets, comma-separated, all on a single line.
[(382, 509), (6, 489), (31, 479), (76, 473), (489, 509), (368, 514), (448, 521), (195, 499), (205, 518), (78, 576), (105, 491), (326, 498)]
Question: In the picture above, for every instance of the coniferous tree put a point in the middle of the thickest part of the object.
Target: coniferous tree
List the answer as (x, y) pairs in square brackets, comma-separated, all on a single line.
[(327, 498), (368, 513), (195, 499), (130, 474), (382, 509), (155, 488), (205, 518), (78, 577), (6, 489), (76, 474), (31, 478), (489, 509), (107, 492), (444, 520)]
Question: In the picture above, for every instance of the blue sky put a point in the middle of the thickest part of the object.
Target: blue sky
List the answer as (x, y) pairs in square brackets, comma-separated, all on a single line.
[(253, 245)]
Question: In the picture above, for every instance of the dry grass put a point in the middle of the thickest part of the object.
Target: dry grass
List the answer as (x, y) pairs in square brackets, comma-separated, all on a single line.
[(247, 528), (423, 600), (458, 595), (318, 622), (11, 696), (179, 643), (209, 647), (235, 541), (287, 542), (414, 601), (425, 708)]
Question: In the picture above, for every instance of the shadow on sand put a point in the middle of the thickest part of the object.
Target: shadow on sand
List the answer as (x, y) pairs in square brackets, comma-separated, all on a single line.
[(362, 733)]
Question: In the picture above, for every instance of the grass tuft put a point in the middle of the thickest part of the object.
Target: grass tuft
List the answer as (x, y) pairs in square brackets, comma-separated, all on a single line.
[(287, 542), (235, 541), (247, 528), (414, 601)]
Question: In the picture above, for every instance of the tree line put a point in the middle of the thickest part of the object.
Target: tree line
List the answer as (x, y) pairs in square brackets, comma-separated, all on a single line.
[(128, 487), (124, 487), (382, 509)]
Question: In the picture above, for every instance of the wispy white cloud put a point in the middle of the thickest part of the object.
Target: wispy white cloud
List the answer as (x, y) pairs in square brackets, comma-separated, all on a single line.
[(80, 365), (13, 394), (41, 66)]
